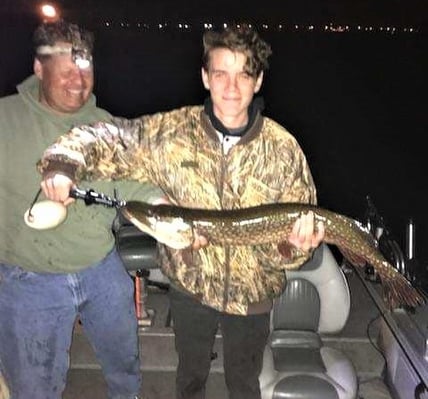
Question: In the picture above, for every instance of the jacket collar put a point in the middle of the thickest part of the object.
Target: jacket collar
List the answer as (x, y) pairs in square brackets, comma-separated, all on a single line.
[(212, 124)]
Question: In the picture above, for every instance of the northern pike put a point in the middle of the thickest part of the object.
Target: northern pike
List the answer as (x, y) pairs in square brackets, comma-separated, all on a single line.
[(271, 223)]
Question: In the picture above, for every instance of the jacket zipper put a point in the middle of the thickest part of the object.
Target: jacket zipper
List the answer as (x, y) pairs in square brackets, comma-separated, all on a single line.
[(227, 249)]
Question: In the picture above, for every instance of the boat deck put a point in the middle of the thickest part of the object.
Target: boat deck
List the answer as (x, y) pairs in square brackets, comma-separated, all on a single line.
[(358, 340)]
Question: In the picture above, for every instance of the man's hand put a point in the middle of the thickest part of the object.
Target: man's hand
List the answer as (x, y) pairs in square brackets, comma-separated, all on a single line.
[(57, 188), (305, 235)]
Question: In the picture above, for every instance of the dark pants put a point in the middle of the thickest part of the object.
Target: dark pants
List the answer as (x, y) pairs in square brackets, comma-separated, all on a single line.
[(244, 340)]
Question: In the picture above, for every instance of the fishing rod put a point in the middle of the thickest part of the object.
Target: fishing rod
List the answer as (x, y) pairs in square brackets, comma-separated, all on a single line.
[(47, 214), (90, 197)]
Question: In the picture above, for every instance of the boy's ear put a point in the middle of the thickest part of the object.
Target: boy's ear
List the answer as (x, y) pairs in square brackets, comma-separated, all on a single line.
[(259, 82), (205, 79)]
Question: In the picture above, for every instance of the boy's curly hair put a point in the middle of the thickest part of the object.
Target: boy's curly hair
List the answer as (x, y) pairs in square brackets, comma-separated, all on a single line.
[(241, 38)]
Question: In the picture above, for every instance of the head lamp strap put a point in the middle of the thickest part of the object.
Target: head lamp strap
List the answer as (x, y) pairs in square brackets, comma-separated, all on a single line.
[(50, 50), (82, 57)]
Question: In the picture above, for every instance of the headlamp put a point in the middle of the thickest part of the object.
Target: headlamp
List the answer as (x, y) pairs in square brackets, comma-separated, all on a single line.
[(81, 56)]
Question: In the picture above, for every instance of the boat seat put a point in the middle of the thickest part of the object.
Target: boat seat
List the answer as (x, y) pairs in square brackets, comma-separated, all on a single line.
[(138, 252), (296, 362), (136, 249)]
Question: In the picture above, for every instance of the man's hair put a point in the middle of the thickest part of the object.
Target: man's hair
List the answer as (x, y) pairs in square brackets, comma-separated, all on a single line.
[(50, 33), (240, 38)]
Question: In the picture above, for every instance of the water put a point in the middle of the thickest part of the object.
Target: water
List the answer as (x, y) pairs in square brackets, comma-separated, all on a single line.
[(355, 102)]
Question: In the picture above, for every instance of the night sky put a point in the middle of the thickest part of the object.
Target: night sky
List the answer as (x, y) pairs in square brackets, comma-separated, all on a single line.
[(351, 11), (356, 103)]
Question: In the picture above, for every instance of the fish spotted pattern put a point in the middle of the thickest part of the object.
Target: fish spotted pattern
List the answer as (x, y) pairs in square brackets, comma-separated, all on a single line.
[(270, 223)]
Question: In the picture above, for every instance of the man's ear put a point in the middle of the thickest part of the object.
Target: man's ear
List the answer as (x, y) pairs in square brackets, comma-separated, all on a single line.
[(205, 79), (259, 82), (38, 68)]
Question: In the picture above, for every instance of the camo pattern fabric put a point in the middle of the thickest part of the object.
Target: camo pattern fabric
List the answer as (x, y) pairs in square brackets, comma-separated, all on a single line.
[(4, 390), (180, 152)]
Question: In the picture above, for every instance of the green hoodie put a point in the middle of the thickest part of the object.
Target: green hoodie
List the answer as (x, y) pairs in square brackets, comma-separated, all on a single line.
[(27, 127)]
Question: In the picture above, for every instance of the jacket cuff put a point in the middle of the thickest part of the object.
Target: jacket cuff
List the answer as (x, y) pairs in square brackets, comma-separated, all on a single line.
[(61, 168)]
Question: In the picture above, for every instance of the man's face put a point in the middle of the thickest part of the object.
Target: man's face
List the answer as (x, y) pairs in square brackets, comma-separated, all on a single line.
[(63, 86), (231, 88)]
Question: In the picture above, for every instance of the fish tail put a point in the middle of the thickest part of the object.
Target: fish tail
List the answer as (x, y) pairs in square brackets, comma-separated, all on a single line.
[(398, 291)]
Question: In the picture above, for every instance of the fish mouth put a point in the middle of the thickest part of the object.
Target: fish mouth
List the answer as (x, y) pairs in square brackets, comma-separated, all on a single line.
[(175, 234)]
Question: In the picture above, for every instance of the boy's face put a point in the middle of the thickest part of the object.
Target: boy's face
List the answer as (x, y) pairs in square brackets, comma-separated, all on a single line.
[(231, 88)]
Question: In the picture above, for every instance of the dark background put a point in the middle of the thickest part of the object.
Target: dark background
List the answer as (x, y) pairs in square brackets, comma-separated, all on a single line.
[(355, 100)]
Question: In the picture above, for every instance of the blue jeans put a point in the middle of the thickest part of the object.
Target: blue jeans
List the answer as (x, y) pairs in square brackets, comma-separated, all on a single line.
[(37, 315)]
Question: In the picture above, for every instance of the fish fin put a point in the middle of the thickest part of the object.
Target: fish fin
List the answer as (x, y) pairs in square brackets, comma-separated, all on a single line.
[(352, 257), (285, 249), (398, 291)]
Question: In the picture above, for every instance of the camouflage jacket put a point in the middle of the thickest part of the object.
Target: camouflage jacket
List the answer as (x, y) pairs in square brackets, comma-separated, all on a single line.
[(183, 154)]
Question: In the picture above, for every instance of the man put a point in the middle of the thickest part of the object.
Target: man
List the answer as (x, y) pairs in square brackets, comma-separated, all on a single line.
[(222, 155), (48, 278)]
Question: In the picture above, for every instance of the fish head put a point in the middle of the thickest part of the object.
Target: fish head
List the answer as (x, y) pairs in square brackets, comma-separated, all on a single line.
[(160, 222)]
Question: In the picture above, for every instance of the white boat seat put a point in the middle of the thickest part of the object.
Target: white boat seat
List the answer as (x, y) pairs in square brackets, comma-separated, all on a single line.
[(297, 364)]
